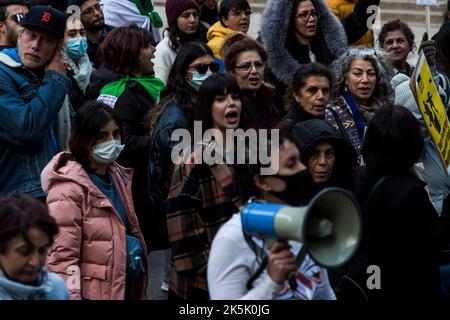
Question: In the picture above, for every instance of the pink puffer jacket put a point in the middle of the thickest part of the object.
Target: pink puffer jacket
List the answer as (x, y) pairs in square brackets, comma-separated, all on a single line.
[(91, 241)]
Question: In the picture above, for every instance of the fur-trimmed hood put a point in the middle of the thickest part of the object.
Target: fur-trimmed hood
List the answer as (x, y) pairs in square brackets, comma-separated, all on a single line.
[(274, 31)]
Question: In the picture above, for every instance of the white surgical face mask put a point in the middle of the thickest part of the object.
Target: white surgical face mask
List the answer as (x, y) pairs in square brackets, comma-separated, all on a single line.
[(107, 152), (198, 79)]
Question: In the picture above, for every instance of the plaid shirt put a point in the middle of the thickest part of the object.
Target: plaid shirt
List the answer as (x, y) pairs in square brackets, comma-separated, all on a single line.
[(201, 199)]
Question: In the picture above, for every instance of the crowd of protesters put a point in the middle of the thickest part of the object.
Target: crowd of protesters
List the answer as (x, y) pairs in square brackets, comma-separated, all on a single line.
[(94, 95)]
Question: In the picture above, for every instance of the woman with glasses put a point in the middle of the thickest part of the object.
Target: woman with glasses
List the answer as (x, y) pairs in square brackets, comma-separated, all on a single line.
[(126, 82), (203, 194), (193, 64), (234, 17), (303, 31), (245, 60), (361, 85), (183, 20)]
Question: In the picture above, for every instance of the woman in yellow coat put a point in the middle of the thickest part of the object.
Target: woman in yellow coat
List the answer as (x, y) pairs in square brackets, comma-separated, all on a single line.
[(341, 8)]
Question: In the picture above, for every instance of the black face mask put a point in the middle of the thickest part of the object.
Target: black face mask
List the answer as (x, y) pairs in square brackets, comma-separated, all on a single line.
[(300, 188)]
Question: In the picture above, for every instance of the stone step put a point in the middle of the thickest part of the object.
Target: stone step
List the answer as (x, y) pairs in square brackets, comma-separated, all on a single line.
[(256, 5), (397, 5), (411, 17), (406, 10)]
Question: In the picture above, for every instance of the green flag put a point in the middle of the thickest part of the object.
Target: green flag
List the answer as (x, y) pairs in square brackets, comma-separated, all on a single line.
[(147, 10)]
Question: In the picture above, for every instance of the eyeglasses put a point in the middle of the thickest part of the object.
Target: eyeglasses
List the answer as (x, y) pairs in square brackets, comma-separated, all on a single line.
[(203, 68), (238, 13), (247, 66), (18, 17), (304, 16), (90, 11)]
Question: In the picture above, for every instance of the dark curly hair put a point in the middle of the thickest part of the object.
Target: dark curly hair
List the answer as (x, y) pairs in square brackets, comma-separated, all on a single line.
[(395, 25), (340, 69), (300, 78), (18, 213)]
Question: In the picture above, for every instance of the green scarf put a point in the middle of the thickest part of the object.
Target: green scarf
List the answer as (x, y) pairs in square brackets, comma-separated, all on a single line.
[(147, 10), (152, 85)]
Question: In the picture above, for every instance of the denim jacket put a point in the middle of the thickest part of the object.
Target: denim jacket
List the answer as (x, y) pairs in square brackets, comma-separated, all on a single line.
[(34, 124)]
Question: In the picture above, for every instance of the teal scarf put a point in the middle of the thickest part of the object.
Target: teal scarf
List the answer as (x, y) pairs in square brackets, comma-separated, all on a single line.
[(152, 85), (147, 10)]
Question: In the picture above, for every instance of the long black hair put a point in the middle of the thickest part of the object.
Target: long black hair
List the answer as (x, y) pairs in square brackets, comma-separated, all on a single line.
[(216, 84), (177, 86), (178, 39)]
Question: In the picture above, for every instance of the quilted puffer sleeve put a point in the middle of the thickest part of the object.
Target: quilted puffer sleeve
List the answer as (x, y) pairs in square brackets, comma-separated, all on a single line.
[(64, 202)]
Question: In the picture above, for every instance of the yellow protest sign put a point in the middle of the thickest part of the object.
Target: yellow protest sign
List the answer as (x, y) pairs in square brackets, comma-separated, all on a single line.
[(432, 109)]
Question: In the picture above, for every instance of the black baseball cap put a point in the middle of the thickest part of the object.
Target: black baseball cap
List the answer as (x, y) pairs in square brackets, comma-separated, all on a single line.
[(47, 19)]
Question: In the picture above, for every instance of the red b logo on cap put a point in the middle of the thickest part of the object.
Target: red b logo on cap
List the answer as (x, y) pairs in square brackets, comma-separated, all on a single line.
[(46, 16)]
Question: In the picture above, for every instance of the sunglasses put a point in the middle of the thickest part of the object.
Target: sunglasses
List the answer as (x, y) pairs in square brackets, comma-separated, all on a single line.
[(203, 68), (247, 66), (18, 17)]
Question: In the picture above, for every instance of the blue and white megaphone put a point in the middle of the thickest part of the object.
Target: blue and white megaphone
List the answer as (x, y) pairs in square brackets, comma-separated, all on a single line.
[(329, 226)]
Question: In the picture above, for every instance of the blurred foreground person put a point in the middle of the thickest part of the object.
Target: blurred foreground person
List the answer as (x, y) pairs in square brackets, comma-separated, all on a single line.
[(26, 233), (251, 268)]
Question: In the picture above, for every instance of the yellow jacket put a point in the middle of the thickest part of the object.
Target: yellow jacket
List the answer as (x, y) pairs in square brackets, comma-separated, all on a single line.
[(341, 8), (216, 36)]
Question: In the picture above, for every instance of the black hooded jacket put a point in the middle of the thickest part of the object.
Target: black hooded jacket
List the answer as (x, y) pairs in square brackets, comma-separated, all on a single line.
[(308, 133), (295, 115)]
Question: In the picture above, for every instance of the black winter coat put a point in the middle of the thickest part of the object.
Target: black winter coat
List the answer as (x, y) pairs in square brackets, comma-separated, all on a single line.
[(160, 168), (402, 234), (294, 115)]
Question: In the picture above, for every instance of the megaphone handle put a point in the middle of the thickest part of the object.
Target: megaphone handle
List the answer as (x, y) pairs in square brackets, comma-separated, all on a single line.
[(299, 259)]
